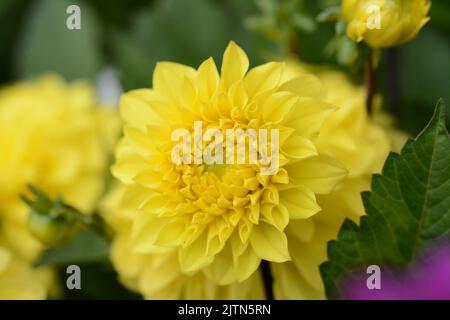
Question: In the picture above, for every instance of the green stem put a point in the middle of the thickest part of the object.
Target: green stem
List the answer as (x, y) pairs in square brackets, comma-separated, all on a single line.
[(370, 83)]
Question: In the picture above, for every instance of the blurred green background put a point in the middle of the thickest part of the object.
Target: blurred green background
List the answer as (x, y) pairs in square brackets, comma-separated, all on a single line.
[(131, 36)]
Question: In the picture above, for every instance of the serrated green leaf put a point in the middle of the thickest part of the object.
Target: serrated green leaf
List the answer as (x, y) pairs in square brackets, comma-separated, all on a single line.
[(87, 247), (409, 205)]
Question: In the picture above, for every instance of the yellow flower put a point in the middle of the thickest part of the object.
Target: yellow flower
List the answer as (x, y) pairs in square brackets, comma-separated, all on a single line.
[(384, 23), (362, 146), (157, 274), (53, 136), (223, 218)]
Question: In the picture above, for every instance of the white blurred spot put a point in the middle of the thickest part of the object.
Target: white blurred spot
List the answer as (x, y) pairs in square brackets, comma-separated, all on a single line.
[(108, 88)]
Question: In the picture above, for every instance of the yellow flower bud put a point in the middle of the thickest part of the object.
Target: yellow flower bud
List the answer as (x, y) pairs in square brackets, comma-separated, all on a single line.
[(384, 23)]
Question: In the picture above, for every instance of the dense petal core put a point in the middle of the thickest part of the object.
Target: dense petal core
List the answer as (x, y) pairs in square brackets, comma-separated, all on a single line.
[(223, 218)]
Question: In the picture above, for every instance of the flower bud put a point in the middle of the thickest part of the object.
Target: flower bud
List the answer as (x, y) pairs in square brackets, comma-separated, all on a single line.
[(384, 23), (52, 231), (51, 221)]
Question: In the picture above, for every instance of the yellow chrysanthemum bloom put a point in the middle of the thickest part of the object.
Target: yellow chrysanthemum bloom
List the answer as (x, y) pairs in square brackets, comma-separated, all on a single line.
[(223, 218), (384, 23), (362, 146), (52, 135), (156, 274)]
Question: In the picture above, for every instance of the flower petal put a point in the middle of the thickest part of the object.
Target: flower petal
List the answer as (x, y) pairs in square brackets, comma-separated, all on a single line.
[(320, 174), (263, 78), (300, 202), (305, 85), (269, 243), (234, 65), (207, 79), (307, 116), (277, 106), (298, 147)]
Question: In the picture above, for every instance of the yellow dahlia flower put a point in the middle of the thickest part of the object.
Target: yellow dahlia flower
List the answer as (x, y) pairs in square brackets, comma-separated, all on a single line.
[(53, 136), (361, 145), (223, 218), (157, 274), (384, 23)]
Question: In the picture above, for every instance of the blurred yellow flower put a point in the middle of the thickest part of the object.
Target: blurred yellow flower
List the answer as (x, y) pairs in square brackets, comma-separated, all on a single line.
[(362, 146), (157, 273), (384, 23), (53, 136), (222, 218), (20, 281)]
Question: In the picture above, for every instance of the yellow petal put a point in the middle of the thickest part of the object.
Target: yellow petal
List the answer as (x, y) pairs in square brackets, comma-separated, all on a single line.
[(234, 65), (269, 243), (246, 264), (307, 116), (278, 215), (307, 258), (5, 258), (301, 229), (207, 79), (262, 78), (139, 138), (148, 179), (145, 231), (277, 106), (169, 80), (221, 270), (320, 174), (289, 284), (154, 279), (305, 85), (194, 257), (298, 147), (128, 167), (300, 202), (135, 108)]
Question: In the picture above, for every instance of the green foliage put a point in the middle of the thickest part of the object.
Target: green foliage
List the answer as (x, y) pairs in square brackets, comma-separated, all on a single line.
[(424, 68), (87, 247), (12, 13), (47, 45), (409, 205), (187, 32)]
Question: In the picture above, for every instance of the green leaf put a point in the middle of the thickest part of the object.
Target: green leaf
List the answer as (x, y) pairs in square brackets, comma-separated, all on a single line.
[(409, 205), (47, 45), (87, 247)]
